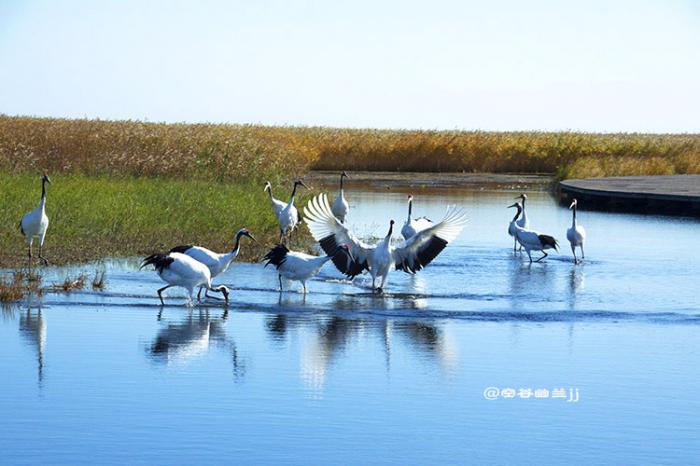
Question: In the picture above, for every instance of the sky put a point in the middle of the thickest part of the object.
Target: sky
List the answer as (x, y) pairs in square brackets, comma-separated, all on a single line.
[(602, 66)]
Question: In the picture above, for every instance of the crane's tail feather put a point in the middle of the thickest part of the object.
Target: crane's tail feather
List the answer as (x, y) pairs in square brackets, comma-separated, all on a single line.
[(158, 261), (276, 256), (549, 241)]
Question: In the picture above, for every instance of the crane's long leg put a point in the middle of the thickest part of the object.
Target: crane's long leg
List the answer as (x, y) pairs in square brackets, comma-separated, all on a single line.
[(545, 255), (583, 254), (573, 249), (41, 246), (199, 293), (303, 284), (162, 303), (280, 279), (529, 255), (30, 259), (515, 244), (381, 284)]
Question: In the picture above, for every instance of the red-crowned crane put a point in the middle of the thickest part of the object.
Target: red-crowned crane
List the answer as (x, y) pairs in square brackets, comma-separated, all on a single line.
[(177, 269), (380, 258), (36, 222), (532, 240), (576, 234)]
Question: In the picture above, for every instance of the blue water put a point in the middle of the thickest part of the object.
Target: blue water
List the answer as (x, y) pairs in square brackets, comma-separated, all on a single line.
[(343, 376)]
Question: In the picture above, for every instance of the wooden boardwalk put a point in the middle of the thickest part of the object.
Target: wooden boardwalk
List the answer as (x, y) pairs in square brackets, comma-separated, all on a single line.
[(676, 194)]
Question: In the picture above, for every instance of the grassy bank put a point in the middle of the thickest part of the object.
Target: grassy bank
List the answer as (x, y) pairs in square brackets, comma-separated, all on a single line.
[(250, 152), (96, 216)]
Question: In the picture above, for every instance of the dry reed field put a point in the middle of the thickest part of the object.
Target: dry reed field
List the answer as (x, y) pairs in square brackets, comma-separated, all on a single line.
[(253, 152)]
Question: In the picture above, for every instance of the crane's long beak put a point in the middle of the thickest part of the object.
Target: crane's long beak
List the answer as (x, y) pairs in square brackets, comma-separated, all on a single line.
[(572, 204), (513, 205), (251, 237), (304, 185)]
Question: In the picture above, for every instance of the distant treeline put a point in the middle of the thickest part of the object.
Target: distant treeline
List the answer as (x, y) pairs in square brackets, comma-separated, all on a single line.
[(255, 152)]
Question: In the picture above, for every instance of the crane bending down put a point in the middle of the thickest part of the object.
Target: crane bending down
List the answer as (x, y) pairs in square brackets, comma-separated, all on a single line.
[(532, 240), (217, 263), (177, 269), (299, 266), (414, 225), (410, 256), (36, 222), (576, 234), (340, 205), (287, 215)]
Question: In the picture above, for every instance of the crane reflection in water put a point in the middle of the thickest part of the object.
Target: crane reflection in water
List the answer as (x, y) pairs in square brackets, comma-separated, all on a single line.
[(331, 335), (32, 327), (191, 337)]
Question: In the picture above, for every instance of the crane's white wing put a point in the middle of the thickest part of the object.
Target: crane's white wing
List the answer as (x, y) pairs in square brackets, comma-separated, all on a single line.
[(277, 205), (329, 232), (200, 254), (419, 250)]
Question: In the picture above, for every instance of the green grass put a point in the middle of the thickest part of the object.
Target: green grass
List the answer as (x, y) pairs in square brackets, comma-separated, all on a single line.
[(98, 216)]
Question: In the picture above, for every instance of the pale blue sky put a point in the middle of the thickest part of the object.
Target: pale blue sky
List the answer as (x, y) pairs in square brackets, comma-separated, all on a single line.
[(494, 65)]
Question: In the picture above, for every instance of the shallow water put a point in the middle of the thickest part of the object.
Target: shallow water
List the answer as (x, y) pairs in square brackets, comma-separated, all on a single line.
[(345, 376)]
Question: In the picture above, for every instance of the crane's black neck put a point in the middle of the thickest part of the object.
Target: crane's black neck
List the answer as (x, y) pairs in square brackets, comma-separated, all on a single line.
[(294, 191), (237, 245), (574, 212), (410, 208), (391, 229), (517, 214), (342, 175), (43, 189)]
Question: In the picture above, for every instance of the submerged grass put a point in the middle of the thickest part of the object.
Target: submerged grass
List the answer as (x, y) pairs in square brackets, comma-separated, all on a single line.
[(99, 280), (17, 284), (71, 283)]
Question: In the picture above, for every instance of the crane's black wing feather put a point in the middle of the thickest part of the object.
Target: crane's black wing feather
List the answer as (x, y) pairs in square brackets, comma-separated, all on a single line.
[(425, 255), (276, 256), (343, 262), (181, 249), (159, 261), (547, 240)]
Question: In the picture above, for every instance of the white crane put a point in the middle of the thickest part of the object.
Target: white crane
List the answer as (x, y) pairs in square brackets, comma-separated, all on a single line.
[(277, 205), (287, 215), (177, 269), (532, 240), (522, 223), (36, 222), (301, 267), (414, 225), (410, 256), (576, 234), (217, 263), (340, 205)]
